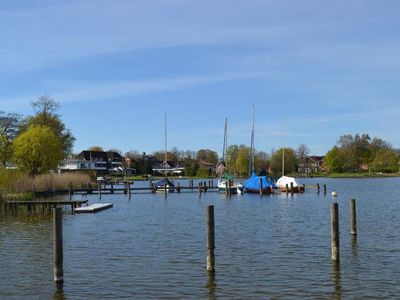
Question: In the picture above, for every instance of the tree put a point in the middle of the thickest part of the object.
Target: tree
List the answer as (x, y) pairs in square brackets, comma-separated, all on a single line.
[(386, 160), (332, 160), (231, 156), (261, 161), (96, 148), (45, 109), (302, 151), (9, 126), (207, 155), (242, 160), (276, 162), (37, 150)]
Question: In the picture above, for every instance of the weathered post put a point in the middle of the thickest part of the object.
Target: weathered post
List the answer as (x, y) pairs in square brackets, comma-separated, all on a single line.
[(261, 187), (129, 190), (210, 239), (291, 188), (125, 187), (178, 188), (335, 231), (324, 189), (287, 189), (58, 245), (353, 219), (229, 187), (200, 188), (70, 190), (318, 188), (99, 187), (112, 187), (226, 188)]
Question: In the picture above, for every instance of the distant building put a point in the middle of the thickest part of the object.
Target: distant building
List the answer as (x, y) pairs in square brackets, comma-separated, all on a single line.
[(310, 164), (171, 167)]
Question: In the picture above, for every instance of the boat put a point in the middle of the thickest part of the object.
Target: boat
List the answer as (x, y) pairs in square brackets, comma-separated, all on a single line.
[(286, 183), (257, 183), (226, 182), (165, 185)]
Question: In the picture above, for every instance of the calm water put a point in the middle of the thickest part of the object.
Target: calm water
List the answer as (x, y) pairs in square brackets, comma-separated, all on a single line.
[(266, 247)]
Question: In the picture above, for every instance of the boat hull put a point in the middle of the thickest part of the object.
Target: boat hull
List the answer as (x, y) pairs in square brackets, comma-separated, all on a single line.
[(296, 189)]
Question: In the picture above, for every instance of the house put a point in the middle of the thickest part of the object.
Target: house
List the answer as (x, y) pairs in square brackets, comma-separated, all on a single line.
[(101, 162), (171, 167), (310, 164)]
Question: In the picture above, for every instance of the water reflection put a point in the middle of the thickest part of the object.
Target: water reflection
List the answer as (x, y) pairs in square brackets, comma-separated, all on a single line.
[(211, 286), (336, 280), (59, 292), (354, 245)]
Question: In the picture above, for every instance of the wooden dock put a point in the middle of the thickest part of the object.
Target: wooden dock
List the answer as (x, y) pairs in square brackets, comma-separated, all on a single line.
[(32, 205), (92, 208)]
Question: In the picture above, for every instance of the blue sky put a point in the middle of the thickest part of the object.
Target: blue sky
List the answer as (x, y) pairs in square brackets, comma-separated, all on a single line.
[(327, 67)]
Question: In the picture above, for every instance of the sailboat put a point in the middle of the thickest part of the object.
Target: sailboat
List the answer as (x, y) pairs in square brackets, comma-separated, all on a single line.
[(257, 184), (165, 185), (226, 183), (286, 183)]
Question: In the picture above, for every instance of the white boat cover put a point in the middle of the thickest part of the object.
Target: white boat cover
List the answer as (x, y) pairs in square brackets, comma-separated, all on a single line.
[(286, 180)]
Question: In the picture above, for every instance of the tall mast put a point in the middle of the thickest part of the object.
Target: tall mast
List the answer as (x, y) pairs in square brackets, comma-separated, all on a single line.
[(283, 147), (251, 166), (224, 148), (165, 140)]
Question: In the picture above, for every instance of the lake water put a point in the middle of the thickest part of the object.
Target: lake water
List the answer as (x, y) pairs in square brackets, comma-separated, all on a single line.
[(275, 246)]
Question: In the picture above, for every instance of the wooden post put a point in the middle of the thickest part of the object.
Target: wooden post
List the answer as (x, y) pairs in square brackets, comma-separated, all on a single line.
[(229, 187), (58, 245), (178, 188), (291, 188), (318, 188), (226, 187), (287, 189), (353, 219), (210, 239), (200, 188), (261, 187), (70, 190), (129, 190), (335, 231), (99, 187), (324, 189), (112, 187)]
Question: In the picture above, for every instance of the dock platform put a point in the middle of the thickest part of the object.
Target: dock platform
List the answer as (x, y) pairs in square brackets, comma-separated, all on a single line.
[(92, 208)]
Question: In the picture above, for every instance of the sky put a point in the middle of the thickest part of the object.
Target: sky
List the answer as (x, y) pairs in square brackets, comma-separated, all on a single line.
[(116, 67)]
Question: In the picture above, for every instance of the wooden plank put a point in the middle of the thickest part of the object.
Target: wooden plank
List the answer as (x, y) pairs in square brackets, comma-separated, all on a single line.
[(92, 208)]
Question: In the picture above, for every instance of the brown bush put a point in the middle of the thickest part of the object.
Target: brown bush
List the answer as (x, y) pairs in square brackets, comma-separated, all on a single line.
[(50, 182)]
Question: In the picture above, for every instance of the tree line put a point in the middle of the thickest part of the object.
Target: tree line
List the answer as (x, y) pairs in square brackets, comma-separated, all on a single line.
[(37, 143)]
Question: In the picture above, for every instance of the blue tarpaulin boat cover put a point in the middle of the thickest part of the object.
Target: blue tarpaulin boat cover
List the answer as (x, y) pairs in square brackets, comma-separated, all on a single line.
[(165, 182), (253, 183)]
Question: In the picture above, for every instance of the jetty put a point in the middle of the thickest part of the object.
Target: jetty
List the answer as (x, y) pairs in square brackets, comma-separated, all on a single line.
[(92, 208), (33, 205)]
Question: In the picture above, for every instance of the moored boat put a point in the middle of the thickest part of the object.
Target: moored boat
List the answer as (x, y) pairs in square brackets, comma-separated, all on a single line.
[(286, 183), (259, 184), (165, 185)]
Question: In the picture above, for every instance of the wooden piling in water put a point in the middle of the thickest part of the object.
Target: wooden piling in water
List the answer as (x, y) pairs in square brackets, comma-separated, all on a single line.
[(210, 239), (291, 188), (335, 231), (129, 191), (353, 219), (112, 187), (261, 187), (324, 189), (58, 256), (99, 188)]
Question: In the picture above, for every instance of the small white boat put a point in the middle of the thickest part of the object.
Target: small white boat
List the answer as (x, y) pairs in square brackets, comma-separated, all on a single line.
[(285, 183)]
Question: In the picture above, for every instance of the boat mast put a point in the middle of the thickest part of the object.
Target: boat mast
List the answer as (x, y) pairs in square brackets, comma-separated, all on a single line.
[(165, 140), (225, 141), (283, 147), (251, 166)]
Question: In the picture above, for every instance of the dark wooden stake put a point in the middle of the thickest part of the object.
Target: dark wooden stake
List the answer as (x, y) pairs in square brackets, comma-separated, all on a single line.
[(291, 188), (99, 187), (335, 231), (210, 239), (58, 245), (324, 189), (353, 218), (261, 187), (318, 188)]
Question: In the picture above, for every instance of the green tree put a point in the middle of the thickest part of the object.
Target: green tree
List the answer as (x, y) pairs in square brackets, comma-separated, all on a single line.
[(332, 160), (261, 161), (37, 150), (207, 155), (290, 162), (45, 109), (9, 126), (386, 160), (231, 156), (242, 160)]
